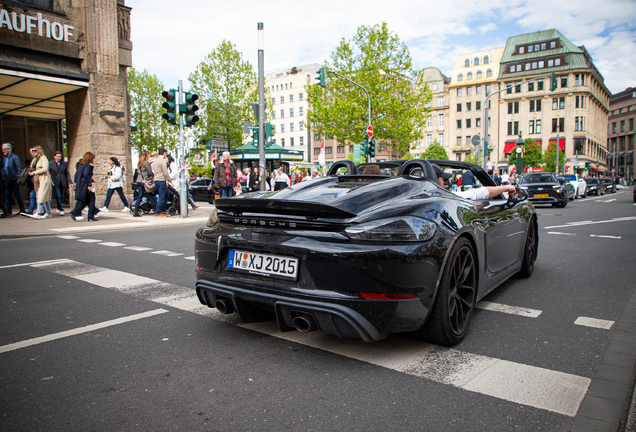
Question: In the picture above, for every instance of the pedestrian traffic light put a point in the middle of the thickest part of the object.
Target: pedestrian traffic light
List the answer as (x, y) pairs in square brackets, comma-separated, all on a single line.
[(553, 82), (321, 78), (269, 132), (191, 108), (371, 147), (255, 135), (587, 165), (170, 106)]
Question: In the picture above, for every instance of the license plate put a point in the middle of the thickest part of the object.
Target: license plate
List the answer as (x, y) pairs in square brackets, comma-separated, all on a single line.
[(263, 264), (541, 195)]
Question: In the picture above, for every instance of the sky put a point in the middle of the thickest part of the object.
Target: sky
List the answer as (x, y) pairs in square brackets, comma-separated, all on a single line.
[(436, 32)]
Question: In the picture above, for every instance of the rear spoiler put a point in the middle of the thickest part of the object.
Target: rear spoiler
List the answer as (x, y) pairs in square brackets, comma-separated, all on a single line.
[(280, 207)]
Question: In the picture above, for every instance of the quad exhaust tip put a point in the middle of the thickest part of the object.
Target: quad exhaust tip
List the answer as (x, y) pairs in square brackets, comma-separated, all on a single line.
[(224, 306), (304, 323)]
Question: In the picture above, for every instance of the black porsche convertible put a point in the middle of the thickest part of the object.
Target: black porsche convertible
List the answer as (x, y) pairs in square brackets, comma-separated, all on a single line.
[(363, 255)]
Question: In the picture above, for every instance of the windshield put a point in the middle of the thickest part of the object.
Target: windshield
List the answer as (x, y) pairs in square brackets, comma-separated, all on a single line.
[(570, 177), (591, 181), (537, 178), (607, 180)]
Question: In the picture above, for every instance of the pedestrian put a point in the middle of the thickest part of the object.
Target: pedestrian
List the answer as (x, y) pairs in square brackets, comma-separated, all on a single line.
[(225, 176), (84, 188), (12, 168), (145, 172), (505, 178), (115, 184), (255, 181), (247, 172), (306, 176), (497, 179), (3, 185), (468, 181), (30, 189), (160, 168), (60, 178), (188, 179), (42, 182), (512, 179), (281, 181)]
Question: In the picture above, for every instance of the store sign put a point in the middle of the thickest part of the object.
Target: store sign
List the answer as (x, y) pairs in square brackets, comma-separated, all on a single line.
[(22, 23)]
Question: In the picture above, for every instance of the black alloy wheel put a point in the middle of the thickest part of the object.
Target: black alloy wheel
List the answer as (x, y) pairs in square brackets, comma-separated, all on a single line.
[(456, 298), (530, 252)]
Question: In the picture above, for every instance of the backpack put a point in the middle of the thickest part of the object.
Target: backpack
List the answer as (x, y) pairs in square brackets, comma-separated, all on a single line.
[(24, 176)]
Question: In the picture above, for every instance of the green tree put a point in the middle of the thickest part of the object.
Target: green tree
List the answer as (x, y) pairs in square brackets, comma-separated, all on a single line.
[(152, 131), (533, 156), (226, 85), (435, 151), (376, 59), (549, 158), (407, 156), (472, 158), (350, 156)]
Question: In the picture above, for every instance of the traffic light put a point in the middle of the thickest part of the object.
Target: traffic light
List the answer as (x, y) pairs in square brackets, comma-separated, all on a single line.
[(486, 150), (364, 149), (321, 78), (191, 108), (553, 82), (587, 165), (371, 147), (170, 106), (255, 135), (269, 132)]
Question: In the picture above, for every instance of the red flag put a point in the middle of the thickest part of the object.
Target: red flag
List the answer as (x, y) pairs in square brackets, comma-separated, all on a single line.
[(213, 156), (321, 156)]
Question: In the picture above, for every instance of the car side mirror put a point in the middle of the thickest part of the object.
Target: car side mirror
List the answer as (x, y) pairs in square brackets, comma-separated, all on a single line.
[(517, 197)]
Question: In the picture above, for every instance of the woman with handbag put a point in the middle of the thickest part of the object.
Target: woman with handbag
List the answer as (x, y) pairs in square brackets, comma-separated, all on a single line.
[(115, 184), (84, 189), (42, 181), (147, 184)]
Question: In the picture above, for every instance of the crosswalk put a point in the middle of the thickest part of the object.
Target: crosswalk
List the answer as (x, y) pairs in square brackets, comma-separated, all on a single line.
[(528, 385)]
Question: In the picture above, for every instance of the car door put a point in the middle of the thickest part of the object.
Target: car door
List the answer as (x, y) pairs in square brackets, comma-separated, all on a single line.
[(200, 190), (504, 234)]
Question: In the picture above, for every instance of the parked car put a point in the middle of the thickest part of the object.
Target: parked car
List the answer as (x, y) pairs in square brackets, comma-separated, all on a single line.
[(580, 186), (608, 185), (364, 255), (594, 186), (200, 192), (544, 188)]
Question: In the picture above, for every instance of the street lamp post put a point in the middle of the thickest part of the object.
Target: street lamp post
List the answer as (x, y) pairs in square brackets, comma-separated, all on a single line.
[(261, 103)]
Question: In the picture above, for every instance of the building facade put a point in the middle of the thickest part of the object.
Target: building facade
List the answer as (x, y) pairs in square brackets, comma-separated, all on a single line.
[(575, 112), (621, 133), (436, 125), (63, 59), (473, 80)]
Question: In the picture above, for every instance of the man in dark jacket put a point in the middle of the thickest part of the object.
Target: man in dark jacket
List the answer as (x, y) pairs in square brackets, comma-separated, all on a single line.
[(60, 178), (468, 180), (225, 176), (3, 185), (13, 168)]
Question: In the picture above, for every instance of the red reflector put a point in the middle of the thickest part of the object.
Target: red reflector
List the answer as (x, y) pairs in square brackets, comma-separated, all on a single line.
[(198, 267), (388, 296)]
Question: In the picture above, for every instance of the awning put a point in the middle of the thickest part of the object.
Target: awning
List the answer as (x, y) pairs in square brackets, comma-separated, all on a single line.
[(597, 169), (561, 143), (509, 146)]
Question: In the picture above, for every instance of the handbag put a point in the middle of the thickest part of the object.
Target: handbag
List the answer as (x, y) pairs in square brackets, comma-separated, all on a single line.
[(149, 185)]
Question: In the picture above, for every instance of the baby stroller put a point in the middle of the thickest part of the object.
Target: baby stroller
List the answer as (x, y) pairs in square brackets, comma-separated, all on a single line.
[(174, 201)]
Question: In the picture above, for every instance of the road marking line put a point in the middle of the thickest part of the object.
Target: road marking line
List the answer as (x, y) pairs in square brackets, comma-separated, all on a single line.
[(189, 258), (623, 219), (89, 241), (166, 253), (80, 330), (560, 233), (138, 248), (605, 236), (112, 244), (512, 310), (114, 279), (140, 224), (528, 385), (38, 263), (68, 237), (594, 322), (614, 199)]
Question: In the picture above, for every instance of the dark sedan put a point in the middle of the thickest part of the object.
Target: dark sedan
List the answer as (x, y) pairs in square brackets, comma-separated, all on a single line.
[(544, 188), (570, 191), (200, 191), (364, 255), (594, 186), (609, 185)]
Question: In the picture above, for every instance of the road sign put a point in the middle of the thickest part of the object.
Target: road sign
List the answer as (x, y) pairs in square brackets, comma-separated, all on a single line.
[(476, 140), (575, 163), (369, 131), (597, 164), (573, 159)]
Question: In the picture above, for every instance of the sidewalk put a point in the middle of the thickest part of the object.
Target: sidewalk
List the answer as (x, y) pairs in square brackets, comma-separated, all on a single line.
[(18, 226)]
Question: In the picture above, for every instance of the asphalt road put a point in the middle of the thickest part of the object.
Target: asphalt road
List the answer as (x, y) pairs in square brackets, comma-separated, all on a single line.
[(111, 338)]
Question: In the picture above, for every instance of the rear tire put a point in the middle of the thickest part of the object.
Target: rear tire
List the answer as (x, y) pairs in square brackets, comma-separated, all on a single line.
[(530, 252), (448, 322)]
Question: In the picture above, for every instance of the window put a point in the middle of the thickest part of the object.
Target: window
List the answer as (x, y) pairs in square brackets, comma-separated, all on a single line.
[(557, 62), (468, 106), (469, 91), (460, 77), (282, 99), (509, 88), (317, 137), (459, 92), (274, 128), (512, 68), (300, 96), (282, 128), (328, 150), (291, 98), (538, 126), (489, 73), (478, 74), (555, 103), (468, 123), (317, 151), (301, 111), (285, 86), (477, 122), (543, 46), (527, 67), (434, 86), (513, 128), (459, 124), (477, 89), (469, 76), (282, 142), (274, 115), (540, 84), (291, 127), (614, 127), (577, 81), (541, 64), (510, 107), (529, 48), (440, 120), (553, 45), (476, 61), (534, 65), (532, 105), (562, 103), (340, 149), (440, 139), (579, 101), (531, 127), (487, 89), (478, 105), (440, 101), (429, 139), (631, 124), (301, 126), (486, 59), (466, 62), (282, 113), (558, 124), (622, 125), (576, 123), (291, 141), (459, 141), (564, 81), (459, 107), (550, 63), (301, 140), (531, 86), (291, 112), (273, 101), (468, 140), (521, 50), (428, 122), (536, 47)]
